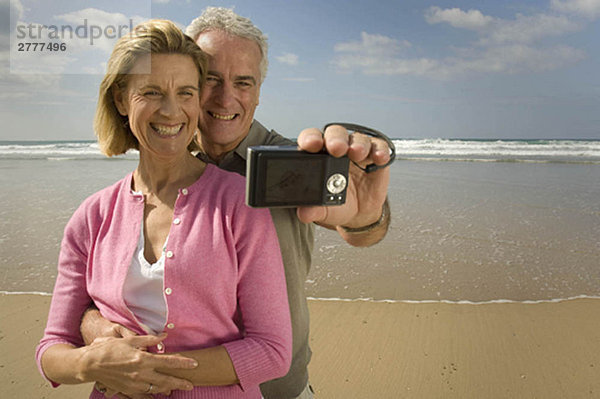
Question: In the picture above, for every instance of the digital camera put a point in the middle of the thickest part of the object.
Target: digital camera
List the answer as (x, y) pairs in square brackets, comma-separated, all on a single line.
[(284, 176)]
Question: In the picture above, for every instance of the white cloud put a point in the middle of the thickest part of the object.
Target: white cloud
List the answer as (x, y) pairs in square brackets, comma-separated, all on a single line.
[(472, 19), (87, 36), (13, 9), (523, 29), (384, 65), (372, 45), (29, 82), (585, 8), (499, 59), (499, 46), (102, 28), (515, 58), (300, 80), (288, 58), (528, 29), (29, 74), (24, 85)]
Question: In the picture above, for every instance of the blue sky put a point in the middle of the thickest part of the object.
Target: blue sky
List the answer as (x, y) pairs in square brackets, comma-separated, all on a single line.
[(413, 69)]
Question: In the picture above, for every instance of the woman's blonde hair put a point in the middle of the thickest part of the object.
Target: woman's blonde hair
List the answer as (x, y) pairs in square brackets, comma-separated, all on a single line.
[(151, 37)]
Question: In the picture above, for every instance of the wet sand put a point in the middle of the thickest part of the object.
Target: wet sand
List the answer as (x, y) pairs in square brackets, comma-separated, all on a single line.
[(476, 232), (460, 231)]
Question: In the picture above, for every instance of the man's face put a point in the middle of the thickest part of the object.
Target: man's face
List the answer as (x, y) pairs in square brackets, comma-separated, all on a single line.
[(230, 96)]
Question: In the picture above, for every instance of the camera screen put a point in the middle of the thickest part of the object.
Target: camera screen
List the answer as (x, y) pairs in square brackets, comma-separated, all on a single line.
[(294, 179)]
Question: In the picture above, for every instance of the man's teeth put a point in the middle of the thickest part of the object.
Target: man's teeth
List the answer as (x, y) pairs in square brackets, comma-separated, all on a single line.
[(223, 117), (167, 130)]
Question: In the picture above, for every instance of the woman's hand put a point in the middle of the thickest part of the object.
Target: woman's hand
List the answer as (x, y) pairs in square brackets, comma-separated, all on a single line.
[(123, 365)]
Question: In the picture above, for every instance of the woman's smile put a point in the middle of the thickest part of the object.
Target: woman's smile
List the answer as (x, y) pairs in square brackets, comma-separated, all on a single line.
[(167, 130)]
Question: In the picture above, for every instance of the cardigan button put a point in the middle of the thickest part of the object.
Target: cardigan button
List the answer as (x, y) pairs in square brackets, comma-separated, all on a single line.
[(176, 221), (170, 326), (168, 291), (184, 191), (169, 254)]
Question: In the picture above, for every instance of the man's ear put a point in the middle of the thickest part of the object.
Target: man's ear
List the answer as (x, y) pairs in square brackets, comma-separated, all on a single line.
[(118, 98)]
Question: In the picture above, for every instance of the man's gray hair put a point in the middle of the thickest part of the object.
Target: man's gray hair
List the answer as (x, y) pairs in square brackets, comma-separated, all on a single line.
[(219, 18)]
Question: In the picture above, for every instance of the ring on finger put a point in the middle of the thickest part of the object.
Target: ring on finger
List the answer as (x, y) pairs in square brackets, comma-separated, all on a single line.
[(150, 388), (100, 389)]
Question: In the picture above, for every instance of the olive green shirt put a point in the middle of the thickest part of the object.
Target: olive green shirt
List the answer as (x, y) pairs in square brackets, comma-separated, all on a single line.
[(296, 241)]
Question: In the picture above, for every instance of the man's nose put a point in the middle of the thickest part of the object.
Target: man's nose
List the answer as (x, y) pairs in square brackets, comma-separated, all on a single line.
[(224, 95)]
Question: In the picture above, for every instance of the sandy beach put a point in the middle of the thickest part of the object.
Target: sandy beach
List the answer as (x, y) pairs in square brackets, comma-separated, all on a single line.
[(392, 350)]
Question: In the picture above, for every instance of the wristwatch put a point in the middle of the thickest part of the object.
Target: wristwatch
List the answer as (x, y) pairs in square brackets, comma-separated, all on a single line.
[(385, 213)]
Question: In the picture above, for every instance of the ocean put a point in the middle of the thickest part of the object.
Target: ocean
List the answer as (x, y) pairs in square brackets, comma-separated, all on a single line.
[(473, 220), (471, 150)]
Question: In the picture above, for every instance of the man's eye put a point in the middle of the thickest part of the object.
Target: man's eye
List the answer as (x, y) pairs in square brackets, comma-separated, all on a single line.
[(243, 84), (151, 93), (211, 80)]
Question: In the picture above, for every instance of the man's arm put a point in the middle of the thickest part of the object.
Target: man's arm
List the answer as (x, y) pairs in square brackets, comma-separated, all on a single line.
[(370, 234), (365, 217), (93, 326)]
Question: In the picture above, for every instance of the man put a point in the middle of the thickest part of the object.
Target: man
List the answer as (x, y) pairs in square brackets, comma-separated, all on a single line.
[(237, 67)]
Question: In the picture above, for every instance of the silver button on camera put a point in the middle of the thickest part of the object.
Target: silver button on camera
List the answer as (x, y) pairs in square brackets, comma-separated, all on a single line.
[(336, 183)]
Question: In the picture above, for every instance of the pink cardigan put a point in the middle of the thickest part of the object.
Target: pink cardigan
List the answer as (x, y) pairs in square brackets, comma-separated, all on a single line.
[(224, 279)]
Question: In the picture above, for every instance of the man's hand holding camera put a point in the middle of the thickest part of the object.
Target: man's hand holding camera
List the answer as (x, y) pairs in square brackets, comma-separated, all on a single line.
[(364, 218)]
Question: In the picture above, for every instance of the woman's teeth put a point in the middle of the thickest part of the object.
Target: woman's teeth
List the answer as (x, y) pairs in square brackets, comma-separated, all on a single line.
[(167, 130)]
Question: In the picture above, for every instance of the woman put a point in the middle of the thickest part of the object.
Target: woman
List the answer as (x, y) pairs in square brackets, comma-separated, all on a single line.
[(171, 248)]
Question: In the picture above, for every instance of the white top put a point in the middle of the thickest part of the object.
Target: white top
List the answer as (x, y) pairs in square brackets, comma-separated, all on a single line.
[(143, 289)]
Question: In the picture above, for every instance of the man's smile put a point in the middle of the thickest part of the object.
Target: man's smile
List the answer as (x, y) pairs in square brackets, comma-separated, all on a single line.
[(222, 117)]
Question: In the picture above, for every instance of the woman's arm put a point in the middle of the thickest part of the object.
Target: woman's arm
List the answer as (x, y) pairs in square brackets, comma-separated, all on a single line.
[(119, 363), (61, 356)]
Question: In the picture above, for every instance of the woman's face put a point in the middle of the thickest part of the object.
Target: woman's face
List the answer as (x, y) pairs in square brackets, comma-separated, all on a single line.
[(162, 106)]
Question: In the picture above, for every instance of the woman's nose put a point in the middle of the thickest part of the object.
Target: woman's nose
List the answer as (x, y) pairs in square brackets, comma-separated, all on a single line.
[(170, 105)]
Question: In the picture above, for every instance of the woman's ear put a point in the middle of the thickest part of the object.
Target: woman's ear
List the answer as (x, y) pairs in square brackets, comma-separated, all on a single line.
[(119, 99)]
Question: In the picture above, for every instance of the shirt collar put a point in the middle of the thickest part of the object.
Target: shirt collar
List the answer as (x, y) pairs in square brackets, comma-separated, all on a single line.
[(257, 135)]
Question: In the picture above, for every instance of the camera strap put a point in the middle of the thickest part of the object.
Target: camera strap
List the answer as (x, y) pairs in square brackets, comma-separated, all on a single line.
[(373, 133)]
